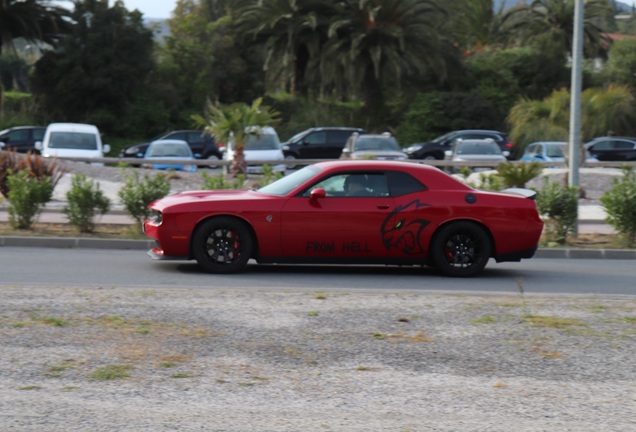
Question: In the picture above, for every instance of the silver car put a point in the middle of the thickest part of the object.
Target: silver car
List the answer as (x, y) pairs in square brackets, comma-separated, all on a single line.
[(480, 151)]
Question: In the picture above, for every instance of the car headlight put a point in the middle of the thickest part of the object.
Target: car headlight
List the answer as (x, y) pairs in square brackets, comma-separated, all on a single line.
[(412, 149), (155, 217)]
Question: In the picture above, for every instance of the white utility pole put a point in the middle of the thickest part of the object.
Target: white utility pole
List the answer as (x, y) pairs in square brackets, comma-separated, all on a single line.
[(575, 98)]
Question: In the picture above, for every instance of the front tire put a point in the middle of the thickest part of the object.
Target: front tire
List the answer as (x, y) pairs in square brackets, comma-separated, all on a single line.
[(213, 158), (461, 249), (290, 158), (222, 245)]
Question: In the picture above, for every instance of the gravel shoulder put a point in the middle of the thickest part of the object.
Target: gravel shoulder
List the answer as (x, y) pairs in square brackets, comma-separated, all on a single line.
[(291, 360)]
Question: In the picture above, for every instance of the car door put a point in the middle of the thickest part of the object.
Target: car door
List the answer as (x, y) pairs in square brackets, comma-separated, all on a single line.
[(337, 226), (312, 146)]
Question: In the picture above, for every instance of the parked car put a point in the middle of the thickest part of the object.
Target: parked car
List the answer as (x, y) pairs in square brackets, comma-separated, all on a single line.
[(22, 138), (414, 214), (476, 150), (261, 146), (548, 151), (318, 143), (203, 146), (368, 146), (163, 150), (612, 148), (72, 140), (435, 149)]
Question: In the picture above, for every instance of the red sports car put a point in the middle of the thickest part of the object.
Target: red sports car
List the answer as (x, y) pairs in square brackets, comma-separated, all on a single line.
[(349, 212)]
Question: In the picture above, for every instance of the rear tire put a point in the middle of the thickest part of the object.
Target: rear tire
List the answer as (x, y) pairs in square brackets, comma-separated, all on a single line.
[(461, 249), (222, 245)]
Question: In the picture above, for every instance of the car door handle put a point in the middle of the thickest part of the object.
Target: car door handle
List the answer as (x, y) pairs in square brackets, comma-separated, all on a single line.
[(383, 207)]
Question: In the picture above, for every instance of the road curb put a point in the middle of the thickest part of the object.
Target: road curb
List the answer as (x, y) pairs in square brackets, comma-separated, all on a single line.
[(119, 244), (75, 243)]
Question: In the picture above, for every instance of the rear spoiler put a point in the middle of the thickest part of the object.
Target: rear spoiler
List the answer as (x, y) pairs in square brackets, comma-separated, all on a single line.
[(526, 193)]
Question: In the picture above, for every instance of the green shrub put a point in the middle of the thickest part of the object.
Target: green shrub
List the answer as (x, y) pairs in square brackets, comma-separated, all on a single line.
[(517, 175), (559, 203), (27, 196), (620, 205), (137, 194), (219, 181), (83, 201), (269, 176)]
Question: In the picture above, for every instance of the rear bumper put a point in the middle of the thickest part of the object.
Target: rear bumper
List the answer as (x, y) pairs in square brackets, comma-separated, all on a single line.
[(516, 255)]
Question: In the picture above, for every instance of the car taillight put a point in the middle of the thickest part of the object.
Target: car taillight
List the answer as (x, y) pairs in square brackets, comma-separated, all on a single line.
[(508, 145)]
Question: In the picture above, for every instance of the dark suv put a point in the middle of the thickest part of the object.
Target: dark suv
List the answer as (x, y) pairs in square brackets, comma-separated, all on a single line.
[(435, 149), (22, 138), (613, 148), (203, 145), (318, 143)]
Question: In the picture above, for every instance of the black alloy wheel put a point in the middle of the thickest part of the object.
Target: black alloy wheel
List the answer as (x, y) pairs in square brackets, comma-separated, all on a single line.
[(222, 245), (461, 249)]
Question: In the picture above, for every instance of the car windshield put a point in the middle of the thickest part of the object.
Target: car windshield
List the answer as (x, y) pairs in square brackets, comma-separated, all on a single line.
[(73, 140), (298, 136), (286, 184), (376, 143), (486, 148), (262, 142)]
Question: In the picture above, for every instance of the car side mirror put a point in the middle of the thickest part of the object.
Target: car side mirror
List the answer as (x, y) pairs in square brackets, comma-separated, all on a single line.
[(317, 193), (38, 145)]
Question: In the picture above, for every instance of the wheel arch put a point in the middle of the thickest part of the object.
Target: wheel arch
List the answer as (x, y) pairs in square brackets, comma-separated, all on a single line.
[(244, 221), (493, 249)]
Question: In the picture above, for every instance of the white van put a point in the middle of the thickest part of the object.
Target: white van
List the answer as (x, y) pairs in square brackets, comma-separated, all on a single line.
[(262, 146), (72, 140)]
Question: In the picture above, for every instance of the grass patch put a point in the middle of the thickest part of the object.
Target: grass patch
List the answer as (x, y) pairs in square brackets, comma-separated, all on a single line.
[(552, 322), (30, 387), (111, 372), (484, 320), (313, 313)]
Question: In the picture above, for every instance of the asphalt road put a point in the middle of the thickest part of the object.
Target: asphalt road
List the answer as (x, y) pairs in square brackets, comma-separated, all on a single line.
[(126, 268)]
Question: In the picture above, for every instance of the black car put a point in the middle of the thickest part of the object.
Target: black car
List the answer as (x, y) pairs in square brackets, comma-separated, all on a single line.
[(22, 138), (203, 145), (435, 149), (318, 143), (612, 148)]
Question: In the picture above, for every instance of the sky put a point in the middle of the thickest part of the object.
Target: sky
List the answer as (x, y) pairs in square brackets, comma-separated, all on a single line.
[(163, 8), (152, 8)]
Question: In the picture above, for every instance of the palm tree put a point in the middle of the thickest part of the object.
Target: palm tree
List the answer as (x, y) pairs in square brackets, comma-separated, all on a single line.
[(477, 25), (32, 20), (236, 122), (372, 42), (292, 32), (554, 20), (603, 111)]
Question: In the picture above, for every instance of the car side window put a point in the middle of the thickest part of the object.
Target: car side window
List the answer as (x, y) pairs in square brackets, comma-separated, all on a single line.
[(38, 134), (338, 137), (316, 138), (353, 185), (401, 183), (602, 145), (195, 138), (624, 145)]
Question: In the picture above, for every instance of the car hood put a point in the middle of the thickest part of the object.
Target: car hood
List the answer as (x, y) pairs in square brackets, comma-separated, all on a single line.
[(203, 196)]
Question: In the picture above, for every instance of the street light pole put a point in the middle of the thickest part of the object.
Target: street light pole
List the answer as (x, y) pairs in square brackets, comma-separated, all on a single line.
[(575, 98)]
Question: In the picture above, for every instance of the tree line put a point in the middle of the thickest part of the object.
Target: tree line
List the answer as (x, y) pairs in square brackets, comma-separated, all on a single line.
[(417, 68)]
